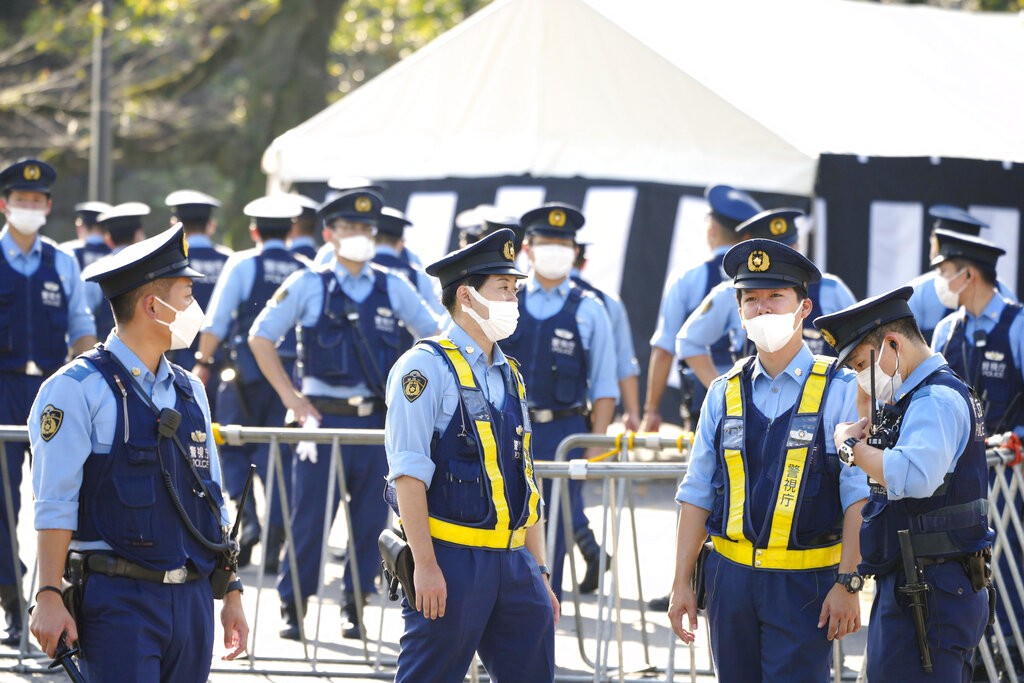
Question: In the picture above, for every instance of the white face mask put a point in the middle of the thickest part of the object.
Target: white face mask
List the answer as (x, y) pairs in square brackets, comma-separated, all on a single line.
[(553, 261), (26, 221), (502, 316), (886, 386), (947, 297), (359, 248), (771, 331), (185, 325)]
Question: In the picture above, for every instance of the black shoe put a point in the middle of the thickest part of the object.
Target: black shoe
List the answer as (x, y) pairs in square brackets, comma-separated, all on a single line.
[(12, 615), (591, 551), (659, 604), (272, 553), (291, 629), (351, 629)]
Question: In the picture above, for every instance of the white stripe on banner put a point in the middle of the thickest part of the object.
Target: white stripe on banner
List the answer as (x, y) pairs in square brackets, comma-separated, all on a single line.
[(1004, 230), (819, 226), (432, 214), (609, 214), (515, 200), (896, 228)]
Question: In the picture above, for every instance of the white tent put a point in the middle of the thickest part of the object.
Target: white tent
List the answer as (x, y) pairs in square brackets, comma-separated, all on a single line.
[(677, 91)]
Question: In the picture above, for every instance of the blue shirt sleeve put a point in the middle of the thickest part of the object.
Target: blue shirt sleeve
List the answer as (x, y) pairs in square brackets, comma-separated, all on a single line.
[(696, 487), (420, 320), (678, 302), (596, 331), (80, 317), (626, 364), (233, 287), (835, 295), (297, 302), (710, 322)]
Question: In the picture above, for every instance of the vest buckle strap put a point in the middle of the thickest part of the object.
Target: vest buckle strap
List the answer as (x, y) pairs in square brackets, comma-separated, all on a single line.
[(475, 537), (744, 553)]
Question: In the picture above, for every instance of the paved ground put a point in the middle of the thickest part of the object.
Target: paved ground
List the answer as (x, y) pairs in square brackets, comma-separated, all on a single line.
[(276, 660)]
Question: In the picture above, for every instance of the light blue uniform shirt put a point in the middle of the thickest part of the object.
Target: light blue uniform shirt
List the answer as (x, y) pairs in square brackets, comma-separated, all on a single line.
[(302, 241), (934, 432), (682, 296), (626, 364), (80, 320), (709, 323), (233, 287), (595, 332), (90, 416), (985, 322), (424, 284), (773, 397), (93, 294), (410, 425), (300, 300), (924, 302)]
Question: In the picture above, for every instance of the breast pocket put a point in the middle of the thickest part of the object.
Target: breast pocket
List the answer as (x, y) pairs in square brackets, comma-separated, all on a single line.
[(466, 491), (567, 371), (131, 523)]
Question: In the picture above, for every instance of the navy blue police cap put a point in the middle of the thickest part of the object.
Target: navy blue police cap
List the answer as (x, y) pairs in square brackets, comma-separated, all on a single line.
[(88, 212), (845, 329), (730, 206), (958, 245), (359, 206), (161, 256), (553, 219), (273, 214), (495, 254), (773, 224), (191, 205), (28, 175), (122, 220), (768, 264), (956, 219), (392, 222)]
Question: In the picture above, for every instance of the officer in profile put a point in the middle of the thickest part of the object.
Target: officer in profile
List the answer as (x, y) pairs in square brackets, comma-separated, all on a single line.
[(349, 313), (302, 238), (727, 208), (122, 226), (90, 245), (925, 457), (43, 313), (458, 442), (244, 396), (392, 253), (565, 341), (126, 479), (928, 307), (765, 482)]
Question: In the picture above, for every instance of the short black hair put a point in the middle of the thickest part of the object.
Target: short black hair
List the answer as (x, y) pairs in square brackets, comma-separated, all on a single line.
[(192, 226), (726, 228), (476, 281), (273, 233), (123, 305), (906, 327), (387, 238), (987, 271)]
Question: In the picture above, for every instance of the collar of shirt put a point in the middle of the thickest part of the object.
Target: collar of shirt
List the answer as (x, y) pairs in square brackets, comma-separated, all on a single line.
[(562, 288), (927, 367), (341, 272), (198, 240), (992, 311), (471, 350), (797, 369), (94, 239), (146, 379), (272, 244), (11, 248), (302, 241), (386, 250)]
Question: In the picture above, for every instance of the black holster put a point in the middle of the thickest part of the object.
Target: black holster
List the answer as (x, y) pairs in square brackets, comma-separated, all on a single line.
[(697, 579), (397, 561)]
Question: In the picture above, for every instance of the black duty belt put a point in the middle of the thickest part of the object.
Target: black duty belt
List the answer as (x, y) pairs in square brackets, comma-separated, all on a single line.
[(543, 416), (928, 561), (112, 565), (349, 407)]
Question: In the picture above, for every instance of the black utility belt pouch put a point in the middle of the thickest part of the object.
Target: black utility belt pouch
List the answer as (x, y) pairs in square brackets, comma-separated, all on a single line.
[(225, 564), (979, 569), (396, 558)]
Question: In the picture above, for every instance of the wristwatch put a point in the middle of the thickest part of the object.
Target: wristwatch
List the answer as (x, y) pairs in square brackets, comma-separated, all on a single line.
[(235, 585), (845, 450), (544, 570), (853, 582)]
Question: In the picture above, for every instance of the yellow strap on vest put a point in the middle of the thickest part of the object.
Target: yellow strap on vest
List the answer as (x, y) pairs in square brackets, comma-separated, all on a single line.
[(743, 552)]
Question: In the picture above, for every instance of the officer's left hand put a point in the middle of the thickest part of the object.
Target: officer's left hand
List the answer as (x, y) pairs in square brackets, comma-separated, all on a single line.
[(236, 629), (841, 611), (555, 607), (631, 421), (845, 430)]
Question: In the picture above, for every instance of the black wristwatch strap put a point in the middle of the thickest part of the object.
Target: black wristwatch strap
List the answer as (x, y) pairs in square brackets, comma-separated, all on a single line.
[(235, 585)]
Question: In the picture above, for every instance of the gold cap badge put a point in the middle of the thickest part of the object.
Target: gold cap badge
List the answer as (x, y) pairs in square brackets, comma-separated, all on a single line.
[(556, 218), (827, 336), (32, 172), (778, 226), (363, 204), (413, 385), (758, 261), (509, 251), (184, 244)]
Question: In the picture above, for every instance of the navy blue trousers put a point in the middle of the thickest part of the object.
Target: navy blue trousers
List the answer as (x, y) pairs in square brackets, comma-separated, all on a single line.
[(498, 605), (17, 392), (143, 631), (764, 624), (955, 623), (366, 469)]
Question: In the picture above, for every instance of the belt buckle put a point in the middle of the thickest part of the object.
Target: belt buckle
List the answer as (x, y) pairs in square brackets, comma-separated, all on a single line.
[(364, 409), (543, 416), (33, 370), (178, 575)]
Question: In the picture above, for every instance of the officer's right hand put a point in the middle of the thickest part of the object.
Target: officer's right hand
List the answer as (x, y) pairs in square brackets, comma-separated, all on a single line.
[(683, 601), (50, 619), (300, 408), (431, 590), (202, 373), (651, 421)]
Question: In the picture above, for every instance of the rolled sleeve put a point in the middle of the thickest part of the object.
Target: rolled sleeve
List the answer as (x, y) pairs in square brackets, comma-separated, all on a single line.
[(673, 311), (81, 322), (697, 488), (706, 325), (297, 300), (235, 280), (410, 424)]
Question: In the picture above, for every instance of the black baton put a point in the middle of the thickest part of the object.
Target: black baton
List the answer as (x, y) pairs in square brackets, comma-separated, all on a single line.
[(915, 590), (246, 490), (62, 657)]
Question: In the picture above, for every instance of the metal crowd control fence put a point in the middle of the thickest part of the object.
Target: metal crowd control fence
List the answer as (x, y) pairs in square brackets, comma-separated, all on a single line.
[(1005, 496)]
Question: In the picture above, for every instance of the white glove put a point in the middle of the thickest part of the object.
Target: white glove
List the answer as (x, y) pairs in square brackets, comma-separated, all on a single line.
[(306, 450)]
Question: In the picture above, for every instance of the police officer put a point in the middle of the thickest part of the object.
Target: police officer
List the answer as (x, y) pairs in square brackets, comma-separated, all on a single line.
[(718, 319), (244, 396), (727, 208), (929, 476), (765, 482), (141, 514), (392, 253), (302, 238), (458, 441), (42, 313), (90, 244), (566, 345), (925, 303), (349, 313), (122, 226)]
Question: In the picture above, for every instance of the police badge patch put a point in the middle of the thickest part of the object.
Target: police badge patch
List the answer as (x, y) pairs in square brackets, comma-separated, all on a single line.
[(50, 421), (413, 385)]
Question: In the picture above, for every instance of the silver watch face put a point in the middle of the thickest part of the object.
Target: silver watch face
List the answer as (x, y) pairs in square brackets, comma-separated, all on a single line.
[(845, 453)]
